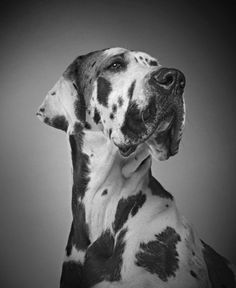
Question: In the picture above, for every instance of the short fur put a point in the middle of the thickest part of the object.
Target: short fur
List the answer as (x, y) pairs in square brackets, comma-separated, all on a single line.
[(120, 108)]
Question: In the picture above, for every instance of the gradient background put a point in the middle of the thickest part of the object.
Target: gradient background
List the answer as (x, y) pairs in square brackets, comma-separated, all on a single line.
[(38, 41)]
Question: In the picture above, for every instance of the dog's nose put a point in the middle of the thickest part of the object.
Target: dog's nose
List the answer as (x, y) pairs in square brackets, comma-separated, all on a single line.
[(169, 79)]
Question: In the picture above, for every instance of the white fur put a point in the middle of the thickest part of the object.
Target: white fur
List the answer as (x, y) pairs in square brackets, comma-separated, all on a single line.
[(75, 256), (123, 177)]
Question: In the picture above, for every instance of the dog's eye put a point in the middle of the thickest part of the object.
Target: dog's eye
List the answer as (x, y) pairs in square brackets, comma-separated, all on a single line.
[(115, 66)]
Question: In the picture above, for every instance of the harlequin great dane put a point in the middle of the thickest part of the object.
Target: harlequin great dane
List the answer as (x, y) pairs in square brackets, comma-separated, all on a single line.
[(120, 108)]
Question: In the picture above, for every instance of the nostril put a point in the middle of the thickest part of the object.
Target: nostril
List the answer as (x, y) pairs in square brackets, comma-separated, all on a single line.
[(165, 77), (181, 81), (168, 80)]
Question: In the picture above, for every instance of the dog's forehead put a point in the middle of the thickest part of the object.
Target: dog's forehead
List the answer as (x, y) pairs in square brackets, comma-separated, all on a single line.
[(139, 56), (114, 51)]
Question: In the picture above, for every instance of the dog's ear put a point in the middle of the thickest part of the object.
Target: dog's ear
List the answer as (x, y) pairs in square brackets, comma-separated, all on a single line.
[(82, 73), (75, 75), (64, 105)]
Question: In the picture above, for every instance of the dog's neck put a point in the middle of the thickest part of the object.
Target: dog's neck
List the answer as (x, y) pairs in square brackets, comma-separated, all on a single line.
[(100, 174), (92, 152)]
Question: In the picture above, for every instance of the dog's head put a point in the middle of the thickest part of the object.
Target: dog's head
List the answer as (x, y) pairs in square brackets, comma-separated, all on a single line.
[(126, 94)]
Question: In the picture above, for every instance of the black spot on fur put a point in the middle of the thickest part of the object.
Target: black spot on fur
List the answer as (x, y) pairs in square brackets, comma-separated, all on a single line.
[(125, 207), (78, 129), (111, 116), (47, 121), (53, 93), (104, 192), (87, 126), (140, 57), (218, 270), (157, 189), (79, 234), (193, 274), (72, 275), (103, 91), (153, 63), (59, 122), (80, 162), (160, 256), (80, 227), (133, 126), (138, 204), (93, 63), (80, 108), (110, 132), (103, 259), (136, 59), (114, 108), (120, 101), (75, 73), (96, 116), (70, 241), (131, 89)]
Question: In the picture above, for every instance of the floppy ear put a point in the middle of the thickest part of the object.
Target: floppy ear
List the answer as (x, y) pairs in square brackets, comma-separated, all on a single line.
[(82, 73), (75, 74), (64, 105)]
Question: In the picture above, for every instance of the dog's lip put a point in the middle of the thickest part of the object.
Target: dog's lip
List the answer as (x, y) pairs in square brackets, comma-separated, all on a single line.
[(126, 150), (162, 126), (165, 123), (167, 129)]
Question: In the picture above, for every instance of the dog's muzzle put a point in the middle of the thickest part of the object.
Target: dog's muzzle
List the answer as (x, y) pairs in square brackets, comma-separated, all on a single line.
[(162, 119)]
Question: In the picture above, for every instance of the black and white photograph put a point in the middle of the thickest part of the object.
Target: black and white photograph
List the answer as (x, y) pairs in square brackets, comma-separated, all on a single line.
[(117, 144)]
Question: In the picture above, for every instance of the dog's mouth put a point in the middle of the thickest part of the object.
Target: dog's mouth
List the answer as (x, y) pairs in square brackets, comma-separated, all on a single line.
[(164, 139), (126, 150)]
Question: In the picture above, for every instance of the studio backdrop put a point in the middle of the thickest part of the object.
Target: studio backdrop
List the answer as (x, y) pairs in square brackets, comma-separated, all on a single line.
[(39, 39)]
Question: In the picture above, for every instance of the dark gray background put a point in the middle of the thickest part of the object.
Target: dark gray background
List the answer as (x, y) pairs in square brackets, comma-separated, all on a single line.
[(38, 40)]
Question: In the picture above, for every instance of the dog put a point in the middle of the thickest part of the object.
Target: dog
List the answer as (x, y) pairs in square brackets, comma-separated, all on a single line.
[(120, 109)]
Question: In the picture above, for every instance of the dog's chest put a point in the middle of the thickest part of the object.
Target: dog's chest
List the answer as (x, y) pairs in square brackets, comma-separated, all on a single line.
[(132, 222)]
